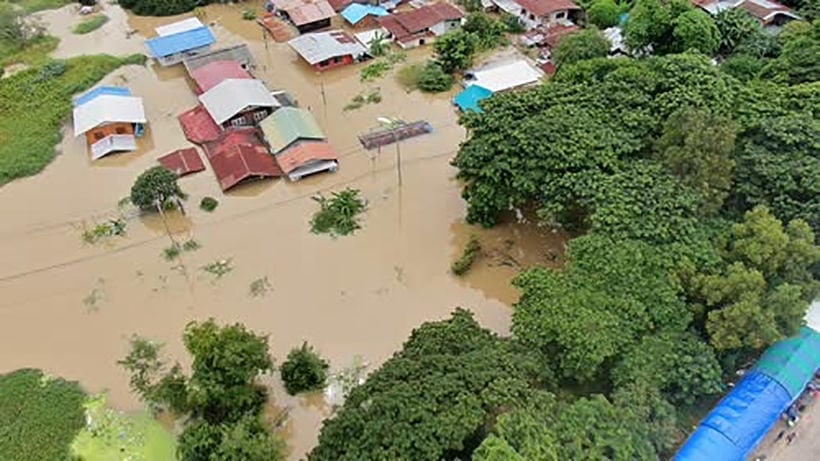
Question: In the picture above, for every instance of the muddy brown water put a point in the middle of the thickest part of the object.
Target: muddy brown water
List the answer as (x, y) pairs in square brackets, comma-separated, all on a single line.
[(69, 307)]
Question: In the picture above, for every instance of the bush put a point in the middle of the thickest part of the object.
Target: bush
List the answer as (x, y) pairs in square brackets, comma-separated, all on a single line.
[(39, 416), (304, 370), (513, 24), (409, 76), (338, 215), (468, 256), (433, 79), (208, 204), (90, 24), (156, 185), (604, 13), (248, 15)]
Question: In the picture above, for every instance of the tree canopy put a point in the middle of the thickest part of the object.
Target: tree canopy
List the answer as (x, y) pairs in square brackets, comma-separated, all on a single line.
[(586, 44), (155, 187)]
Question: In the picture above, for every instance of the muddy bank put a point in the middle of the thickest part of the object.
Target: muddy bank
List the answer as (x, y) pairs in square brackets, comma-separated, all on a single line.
[(70, 307)]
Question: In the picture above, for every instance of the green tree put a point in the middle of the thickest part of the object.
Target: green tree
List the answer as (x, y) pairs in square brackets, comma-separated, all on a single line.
[(695, 29), (246, 440), (379, 45), (777, 164), (651, 25), (432, 399), (433, 79), (586, 44), (798, 61), (734, 26), (488, 32), (604, 13), (304, 370), (743, 66), (455, 50), (696, 146), (643, 402), (155, 187)]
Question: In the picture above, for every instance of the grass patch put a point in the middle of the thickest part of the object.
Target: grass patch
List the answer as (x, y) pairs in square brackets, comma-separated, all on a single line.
[(32, 6), (379, 68), (208, 204), (409, 76), (34, 110), (468, 256), (91, 24), (34, 54), (339, 214), (39, 416)]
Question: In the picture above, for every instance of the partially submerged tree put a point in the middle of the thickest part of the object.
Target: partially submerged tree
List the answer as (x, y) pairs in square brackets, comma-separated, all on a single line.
[(304, 370), (156, 187), (455, 50)]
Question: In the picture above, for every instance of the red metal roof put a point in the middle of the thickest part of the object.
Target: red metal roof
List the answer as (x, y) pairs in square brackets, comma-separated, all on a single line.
[(406, 23), (557, 32), (182, 161), (305, 152), (213, 73), (240, 154), (545, 7), (339, 5), (310, 12), (198, 125)]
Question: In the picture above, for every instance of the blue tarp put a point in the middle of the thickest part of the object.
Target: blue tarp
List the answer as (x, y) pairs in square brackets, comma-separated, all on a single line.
[(182, 41), (468, 99), (99, 91), (356, 12)]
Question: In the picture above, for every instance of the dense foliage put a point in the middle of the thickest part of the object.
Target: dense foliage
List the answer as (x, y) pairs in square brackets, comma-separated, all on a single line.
[(39, 416), (161, 7), (339, 214), (604, 13), (220, 400), (433, 79), (154, 188), (35, 105), (304, 370), (586, 44)]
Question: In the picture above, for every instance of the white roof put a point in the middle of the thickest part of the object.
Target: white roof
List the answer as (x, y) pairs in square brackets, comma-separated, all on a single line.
[(233, 95), (616, 39), (506, 76), (319, 46), (107, 109), (179, 26), (813, 316)]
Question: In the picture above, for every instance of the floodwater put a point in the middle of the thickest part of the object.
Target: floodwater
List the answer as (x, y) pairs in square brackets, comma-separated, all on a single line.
[(69, 307)]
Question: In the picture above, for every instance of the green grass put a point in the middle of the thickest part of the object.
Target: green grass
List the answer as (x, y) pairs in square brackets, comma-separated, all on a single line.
[(31, 6), (33, 55), (91, 24), (34, 109), (39, 416)]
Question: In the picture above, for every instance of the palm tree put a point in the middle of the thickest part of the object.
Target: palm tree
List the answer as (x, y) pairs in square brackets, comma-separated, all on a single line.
[(378, 45)]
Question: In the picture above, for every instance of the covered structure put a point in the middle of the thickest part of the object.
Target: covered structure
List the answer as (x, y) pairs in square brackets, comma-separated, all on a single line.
[(732, 430), (182, 161), (288, 125), (546, 13), (239, 155), (307, 158), (110, 118), (363, 15), (326, 50), (179, 41), (418, 27), (468, 99), (503, 77), (306, 15), (768, 13), (215, 72), (198, 126), (238, 53), (238, 102)]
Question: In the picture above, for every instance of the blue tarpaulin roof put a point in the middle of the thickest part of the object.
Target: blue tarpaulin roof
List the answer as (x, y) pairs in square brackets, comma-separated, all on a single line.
[(356, 12), (99, 91), (167, 45), (468, 99)]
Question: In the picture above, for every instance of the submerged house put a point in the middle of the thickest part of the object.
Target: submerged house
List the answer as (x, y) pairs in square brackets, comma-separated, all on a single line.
[(180, 40), (326, 50), (239, 155), (215, 72), (363, 15), (421, 26), (298, 143), (306, 15), (110, 118), (483, 83), (237, 102)]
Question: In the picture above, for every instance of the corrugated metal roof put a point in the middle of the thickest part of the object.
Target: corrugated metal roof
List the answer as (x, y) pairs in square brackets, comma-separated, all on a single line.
[(305, 153), (319, 46), (287, 125), (356, 12), (182, 161), (106, 109), (233, 95), (214, 73), (301, 12), (506, 76), (545, 7), (238, 155), (179, 26), (99, 91), (239, 53), (406, 23), (183, 41)]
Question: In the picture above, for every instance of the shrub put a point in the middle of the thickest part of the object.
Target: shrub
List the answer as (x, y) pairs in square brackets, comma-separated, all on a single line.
[(304, 370), (208, 204), (409, 76), (513, 23), (604, 13), (468, 256), (90, 24), (39, 416), (433, 79), (248, 15), (338, 215), (156, 185)]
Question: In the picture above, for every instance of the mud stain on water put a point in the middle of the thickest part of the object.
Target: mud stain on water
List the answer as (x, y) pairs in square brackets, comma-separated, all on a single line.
[(354, 296)]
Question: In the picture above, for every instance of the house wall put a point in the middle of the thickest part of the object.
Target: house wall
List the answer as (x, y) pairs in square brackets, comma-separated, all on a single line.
[(445, 26), (311, 26), (531, 21), (338, 61), (179, 57), (100, 132), (249, 117)]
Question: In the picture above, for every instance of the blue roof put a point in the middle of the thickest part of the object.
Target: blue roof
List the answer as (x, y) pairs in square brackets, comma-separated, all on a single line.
[(356, 12), (468, 99), (176, 43), (99, 91)]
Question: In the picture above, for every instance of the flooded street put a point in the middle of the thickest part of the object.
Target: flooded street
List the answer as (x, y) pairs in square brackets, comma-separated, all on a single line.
[(69, 307)]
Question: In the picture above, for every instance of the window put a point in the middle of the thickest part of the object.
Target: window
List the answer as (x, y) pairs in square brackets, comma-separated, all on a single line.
[(238, 121), (421, 41), (532, 17), (324, 63), (561, 15), (337, 59), (259, 115)]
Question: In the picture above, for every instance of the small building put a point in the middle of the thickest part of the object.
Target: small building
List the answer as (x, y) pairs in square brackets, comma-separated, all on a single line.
[(326, 50), (535, 13), (363, 15), (239, 155), (110, 118), (504, 77), (179, 41), (238, 102), (418, 27), (182, 161), (292, 128), (769, 13), (215, 72), (306, 15)]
